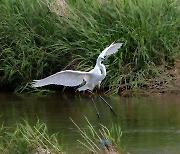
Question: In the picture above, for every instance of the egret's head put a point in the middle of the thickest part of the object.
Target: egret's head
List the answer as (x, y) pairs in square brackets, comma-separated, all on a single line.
[(102, 58)]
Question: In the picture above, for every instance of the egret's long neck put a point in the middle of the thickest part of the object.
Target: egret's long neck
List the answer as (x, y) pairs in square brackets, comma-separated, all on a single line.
[(101, 66)]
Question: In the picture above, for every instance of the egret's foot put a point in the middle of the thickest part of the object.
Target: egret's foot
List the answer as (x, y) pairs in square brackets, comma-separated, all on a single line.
[(110, 107), (97, 112), (91, 92)]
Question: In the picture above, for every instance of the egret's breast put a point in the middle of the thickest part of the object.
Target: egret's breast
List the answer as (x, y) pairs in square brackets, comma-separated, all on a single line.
[(96, 76)]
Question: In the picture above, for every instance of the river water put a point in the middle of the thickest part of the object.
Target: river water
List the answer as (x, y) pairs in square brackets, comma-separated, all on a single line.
[(149, 124)]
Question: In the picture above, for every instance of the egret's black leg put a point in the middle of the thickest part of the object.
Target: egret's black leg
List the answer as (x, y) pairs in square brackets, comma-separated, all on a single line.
[(112, 110), (97, 112)]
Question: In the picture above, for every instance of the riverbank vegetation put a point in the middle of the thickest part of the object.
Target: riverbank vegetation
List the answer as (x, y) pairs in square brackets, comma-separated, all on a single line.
[(103, 140), (25, 138), (39, 38), (29, 139)]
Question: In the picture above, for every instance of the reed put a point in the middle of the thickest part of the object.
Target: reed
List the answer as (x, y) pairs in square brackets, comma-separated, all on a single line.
[(100, 140), (39, 38), (29, 139)]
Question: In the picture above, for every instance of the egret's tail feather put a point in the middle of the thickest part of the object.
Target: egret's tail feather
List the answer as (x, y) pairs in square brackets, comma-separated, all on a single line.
[(85, 87)]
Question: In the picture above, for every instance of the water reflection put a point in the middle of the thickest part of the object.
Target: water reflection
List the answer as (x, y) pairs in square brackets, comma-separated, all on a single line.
[(149, 124)]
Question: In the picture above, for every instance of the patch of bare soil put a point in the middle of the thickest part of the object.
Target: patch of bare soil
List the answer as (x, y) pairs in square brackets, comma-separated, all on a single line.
[(169, 83)]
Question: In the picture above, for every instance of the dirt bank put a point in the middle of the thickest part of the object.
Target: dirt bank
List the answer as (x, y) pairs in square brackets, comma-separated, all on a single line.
[(169, 83)]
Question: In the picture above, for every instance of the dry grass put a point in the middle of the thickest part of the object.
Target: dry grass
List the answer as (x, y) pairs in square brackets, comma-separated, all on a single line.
[(59, 7)]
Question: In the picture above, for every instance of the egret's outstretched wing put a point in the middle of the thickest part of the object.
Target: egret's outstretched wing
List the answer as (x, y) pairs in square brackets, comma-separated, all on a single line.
[(113, 48), (66, 78)]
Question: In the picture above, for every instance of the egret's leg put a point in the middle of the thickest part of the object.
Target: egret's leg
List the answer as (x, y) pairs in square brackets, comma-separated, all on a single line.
[(112, 110), (97, 112)]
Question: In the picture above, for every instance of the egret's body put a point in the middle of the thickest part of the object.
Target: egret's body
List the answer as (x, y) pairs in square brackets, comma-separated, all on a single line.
[(96, 75), (74, 78)]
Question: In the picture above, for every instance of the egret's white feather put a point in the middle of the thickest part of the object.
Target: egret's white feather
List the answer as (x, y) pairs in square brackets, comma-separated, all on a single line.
[(74, 78), (85, 87), (66, 78), (113, 48)]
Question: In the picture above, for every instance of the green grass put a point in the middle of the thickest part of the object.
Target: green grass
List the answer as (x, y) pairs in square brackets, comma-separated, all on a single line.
[(28, 139), (36, 42), (92, 138), (24, 138)]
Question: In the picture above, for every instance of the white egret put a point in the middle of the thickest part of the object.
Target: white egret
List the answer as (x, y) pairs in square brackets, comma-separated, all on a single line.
[(73, 78)]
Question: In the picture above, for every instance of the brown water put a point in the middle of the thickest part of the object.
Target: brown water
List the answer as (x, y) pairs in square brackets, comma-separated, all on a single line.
[(149, 124)]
